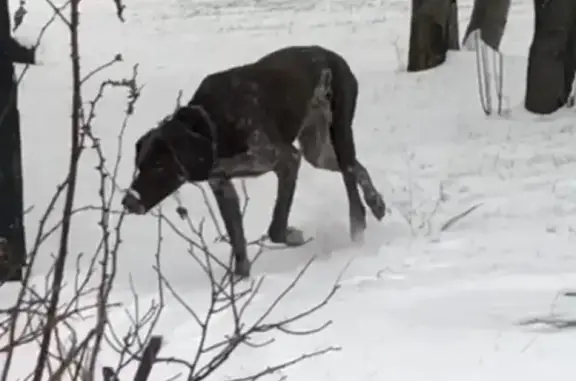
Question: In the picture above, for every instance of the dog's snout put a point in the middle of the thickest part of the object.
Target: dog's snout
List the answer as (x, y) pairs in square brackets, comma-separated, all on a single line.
[(132, 203)]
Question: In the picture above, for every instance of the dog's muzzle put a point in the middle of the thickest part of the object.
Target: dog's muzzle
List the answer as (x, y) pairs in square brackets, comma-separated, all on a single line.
[(132, 204)]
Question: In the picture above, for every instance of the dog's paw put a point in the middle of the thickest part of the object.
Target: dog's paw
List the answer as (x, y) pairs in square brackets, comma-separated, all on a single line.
[(377, 205), (357, 229), (242, 269), (294, 237), (290, 237)]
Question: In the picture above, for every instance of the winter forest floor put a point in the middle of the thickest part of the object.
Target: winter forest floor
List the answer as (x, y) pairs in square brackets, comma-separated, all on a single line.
[(416, 303)]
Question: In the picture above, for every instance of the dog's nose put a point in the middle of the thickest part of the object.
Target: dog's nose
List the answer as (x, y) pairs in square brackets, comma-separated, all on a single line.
[(132, 204)]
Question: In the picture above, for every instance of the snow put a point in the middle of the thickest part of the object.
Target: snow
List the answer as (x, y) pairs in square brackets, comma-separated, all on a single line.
[(483, 300)]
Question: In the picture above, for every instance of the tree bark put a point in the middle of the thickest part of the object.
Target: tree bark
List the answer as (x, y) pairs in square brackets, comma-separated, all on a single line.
[(453, 29), (490, 17), (551, 60), (12, 237), (433, 31)]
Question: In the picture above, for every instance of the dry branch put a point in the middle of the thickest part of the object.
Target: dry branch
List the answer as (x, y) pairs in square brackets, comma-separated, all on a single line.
[(47, 316)]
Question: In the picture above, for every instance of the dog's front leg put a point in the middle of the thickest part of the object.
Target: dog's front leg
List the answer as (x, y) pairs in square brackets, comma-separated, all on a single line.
[(229, 206), (286, 171)]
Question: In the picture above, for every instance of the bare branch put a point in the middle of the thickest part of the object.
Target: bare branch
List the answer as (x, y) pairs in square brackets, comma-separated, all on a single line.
[(47, 315), (284, 365), (120, 7)]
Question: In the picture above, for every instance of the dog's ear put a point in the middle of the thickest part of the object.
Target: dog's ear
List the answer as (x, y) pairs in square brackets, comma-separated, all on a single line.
[(142, 145), (196, 120), (185, 114)]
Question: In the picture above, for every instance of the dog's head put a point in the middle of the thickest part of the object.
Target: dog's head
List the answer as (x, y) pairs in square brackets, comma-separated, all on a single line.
[(180, 149)]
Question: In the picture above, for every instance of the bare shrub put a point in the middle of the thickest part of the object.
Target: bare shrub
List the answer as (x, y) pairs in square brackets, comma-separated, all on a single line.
[(421, 220), (61, 322)]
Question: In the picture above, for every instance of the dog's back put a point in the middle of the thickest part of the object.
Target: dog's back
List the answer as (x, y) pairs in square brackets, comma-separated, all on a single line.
[(274, 93)]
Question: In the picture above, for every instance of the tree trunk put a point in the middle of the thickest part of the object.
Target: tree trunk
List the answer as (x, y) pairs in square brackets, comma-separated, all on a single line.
[(490, 17), (12, 238), (551, 61), (433, 31), (453, 30)]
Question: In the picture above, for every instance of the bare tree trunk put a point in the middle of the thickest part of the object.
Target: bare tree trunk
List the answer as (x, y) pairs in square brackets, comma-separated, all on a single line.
[(433, 31), (12, 238), (490, 17), (551, 61), (453, 30)]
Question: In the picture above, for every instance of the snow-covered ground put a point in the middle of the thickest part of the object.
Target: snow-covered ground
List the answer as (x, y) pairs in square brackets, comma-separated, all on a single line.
[(416, 304)]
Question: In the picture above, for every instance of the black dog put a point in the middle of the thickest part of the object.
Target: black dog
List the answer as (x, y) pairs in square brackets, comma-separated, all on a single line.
[(243, 122)]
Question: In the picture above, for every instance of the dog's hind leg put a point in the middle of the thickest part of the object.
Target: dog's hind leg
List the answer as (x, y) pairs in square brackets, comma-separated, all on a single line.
[(229, 206), (342, 137), (357, 211), (286, 171), (321, 154)]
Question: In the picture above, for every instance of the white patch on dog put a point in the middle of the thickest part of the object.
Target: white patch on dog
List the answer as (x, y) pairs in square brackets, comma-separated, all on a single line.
[(314, 137), (134, 194), (260, 158)]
